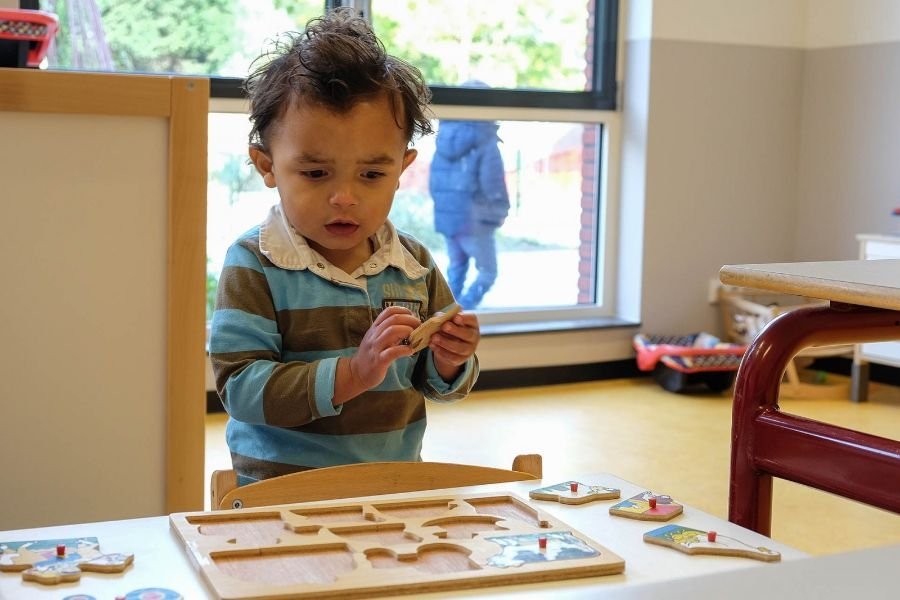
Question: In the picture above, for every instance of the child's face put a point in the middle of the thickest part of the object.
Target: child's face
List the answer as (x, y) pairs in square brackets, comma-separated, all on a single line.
[(336, 174)]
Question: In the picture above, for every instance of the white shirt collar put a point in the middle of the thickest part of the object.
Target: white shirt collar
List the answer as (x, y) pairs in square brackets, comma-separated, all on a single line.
[(286, 248)]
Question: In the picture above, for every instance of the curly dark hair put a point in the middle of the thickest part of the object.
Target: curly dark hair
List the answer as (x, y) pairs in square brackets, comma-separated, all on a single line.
[(336, 62)]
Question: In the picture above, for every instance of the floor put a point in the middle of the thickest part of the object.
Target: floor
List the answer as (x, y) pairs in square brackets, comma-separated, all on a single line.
[(671, 443)]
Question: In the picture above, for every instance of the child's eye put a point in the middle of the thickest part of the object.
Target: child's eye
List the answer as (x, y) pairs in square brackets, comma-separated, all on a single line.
[(314, 173), (372, 174)]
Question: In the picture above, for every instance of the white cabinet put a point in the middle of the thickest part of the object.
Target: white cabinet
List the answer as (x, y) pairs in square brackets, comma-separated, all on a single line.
[(874, 246)]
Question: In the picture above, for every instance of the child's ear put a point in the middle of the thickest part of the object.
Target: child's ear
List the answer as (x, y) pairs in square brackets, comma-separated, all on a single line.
[(263, 164), (408, 157)]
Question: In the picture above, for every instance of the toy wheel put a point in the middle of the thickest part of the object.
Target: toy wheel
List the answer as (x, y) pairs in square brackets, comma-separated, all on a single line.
[(719, 381), (669, 379)]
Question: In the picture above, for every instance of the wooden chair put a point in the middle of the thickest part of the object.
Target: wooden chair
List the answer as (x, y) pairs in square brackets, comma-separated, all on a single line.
[(364, 479)]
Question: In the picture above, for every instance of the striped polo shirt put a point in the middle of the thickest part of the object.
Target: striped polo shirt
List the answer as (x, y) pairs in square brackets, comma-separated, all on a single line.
[(284, 316)]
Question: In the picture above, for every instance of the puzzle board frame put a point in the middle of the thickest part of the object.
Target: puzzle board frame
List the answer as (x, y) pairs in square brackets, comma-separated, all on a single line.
[(386, 547)]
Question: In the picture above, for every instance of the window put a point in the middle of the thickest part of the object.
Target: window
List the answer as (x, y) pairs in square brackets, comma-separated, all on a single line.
[(542, 70)]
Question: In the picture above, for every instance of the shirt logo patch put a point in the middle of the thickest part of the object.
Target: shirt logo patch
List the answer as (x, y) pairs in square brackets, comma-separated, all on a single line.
[(414, 306)]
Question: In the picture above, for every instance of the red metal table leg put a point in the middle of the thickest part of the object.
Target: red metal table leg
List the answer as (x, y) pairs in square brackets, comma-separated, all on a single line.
[(767, 443)]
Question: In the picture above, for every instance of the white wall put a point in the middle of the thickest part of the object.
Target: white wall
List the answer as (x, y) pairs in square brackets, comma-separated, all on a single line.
[(755, 131)]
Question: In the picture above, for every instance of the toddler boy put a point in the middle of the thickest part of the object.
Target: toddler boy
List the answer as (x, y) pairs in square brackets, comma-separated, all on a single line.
[(315, 303)]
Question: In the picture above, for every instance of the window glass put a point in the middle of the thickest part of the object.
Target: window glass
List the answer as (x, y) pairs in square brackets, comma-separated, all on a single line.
[(544, 247), (547, 236), (538, 44), (208, 37)]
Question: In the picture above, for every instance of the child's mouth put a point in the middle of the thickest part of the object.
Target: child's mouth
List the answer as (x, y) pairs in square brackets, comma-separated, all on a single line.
[(341, 228)]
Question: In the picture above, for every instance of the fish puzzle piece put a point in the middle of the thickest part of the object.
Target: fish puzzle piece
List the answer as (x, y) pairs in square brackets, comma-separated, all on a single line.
[(418, 339), (647, 506), (574, 492), (58, 561), (695, 541)]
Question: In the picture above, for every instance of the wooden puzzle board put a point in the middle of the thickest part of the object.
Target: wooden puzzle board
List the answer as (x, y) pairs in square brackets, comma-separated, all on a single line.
[(372, 548)]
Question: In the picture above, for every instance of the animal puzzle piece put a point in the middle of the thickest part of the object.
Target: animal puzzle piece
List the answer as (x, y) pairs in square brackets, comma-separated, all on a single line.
[(647, 506), (694, 541), (420, 336), (573, 492), (56, 561), (516, 550)]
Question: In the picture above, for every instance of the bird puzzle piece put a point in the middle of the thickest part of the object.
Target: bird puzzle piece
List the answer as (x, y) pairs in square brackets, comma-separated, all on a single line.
[(573, 492), (694, 541), (647, 506), (420, 336), (56, 561)]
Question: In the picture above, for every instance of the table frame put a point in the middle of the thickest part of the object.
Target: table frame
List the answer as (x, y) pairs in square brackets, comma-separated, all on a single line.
[(767, 443)]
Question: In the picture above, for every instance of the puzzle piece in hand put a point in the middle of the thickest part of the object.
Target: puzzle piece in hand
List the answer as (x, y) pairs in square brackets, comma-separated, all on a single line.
[(420, 336), (573, 492), (694, 541), (56, 561), (647, 506)]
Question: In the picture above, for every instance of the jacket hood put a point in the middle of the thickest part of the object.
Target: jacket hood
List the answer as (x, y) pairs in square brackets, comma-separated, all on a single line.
[(456, 138)]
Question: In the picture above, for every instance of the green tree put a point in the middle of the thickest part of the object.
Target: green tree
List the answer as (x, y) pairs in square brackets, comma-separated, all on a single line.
[(153, 36), (170, 36), (238, 176), (301, 10), (526, 44)]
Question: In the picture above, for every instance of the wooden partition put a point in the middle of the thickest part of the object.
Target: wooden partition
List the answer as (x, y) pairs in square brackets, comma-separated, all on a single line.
[(102, 311)]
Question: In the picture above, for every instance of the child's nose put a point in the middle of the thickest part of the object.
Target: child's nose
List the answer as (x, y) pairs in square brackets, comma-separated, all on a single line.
[(343, 196)]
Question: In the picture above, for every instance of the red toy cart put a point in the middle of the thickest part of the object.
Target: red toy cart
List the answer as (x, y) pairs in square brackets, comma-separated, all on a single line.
[(681, 363), (25, 36)]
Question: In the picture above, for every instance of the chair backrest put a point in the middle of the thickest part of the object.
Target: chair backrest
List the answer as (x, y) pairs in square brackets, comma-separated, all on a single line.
[(364, 479)]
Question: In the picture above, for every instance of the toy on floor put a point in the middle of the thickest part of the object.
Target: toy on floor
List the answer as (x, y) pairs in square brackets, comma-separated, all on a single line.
[(647, 506), (573, 492), (681, 363), (694, 541), (25, 36), (57, 561)]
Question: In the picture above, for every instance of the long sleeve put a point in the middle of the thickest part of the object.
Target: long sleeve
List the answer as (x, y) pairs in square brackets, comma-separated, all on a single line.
[(254, 382)]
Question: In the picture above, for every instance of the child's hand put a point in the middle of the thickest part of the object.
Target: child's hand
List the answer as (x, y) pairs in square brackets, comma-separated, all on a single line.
[(454, 344), (381, 346)]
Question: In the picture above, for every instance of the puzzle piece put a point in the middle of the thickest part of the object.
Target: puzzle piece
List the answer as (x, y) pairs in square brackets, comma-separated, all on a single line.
[(695, 541), (57, 561), (582, 494), (647, 506), (516, 550), (420, 336), (153, 594)]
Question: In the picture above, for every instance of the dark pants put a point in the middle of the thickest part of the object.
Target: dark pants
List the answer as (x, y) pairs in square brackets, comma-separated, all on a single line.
[(462, 249)]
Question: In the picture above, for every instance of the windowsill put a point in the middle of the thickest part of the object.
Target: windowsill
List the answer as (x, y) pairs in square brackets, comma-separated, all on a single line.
[(562, 325)]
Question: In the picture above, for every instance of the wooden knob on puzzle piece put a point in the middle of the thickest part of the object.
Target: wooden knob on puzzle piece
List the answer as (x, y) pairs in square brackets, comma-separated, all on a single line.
[(652, 501)]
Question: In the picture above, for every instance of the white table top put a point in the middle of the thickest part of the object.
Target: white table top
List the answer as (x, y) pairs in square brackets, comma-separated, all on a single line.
[(871, 574), (864, 282), (160, 560)]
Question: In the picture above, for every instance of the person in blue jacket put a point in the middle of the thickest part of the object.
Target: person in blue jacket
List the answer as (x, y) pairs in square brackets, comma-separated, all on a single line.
[(468, 185)]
